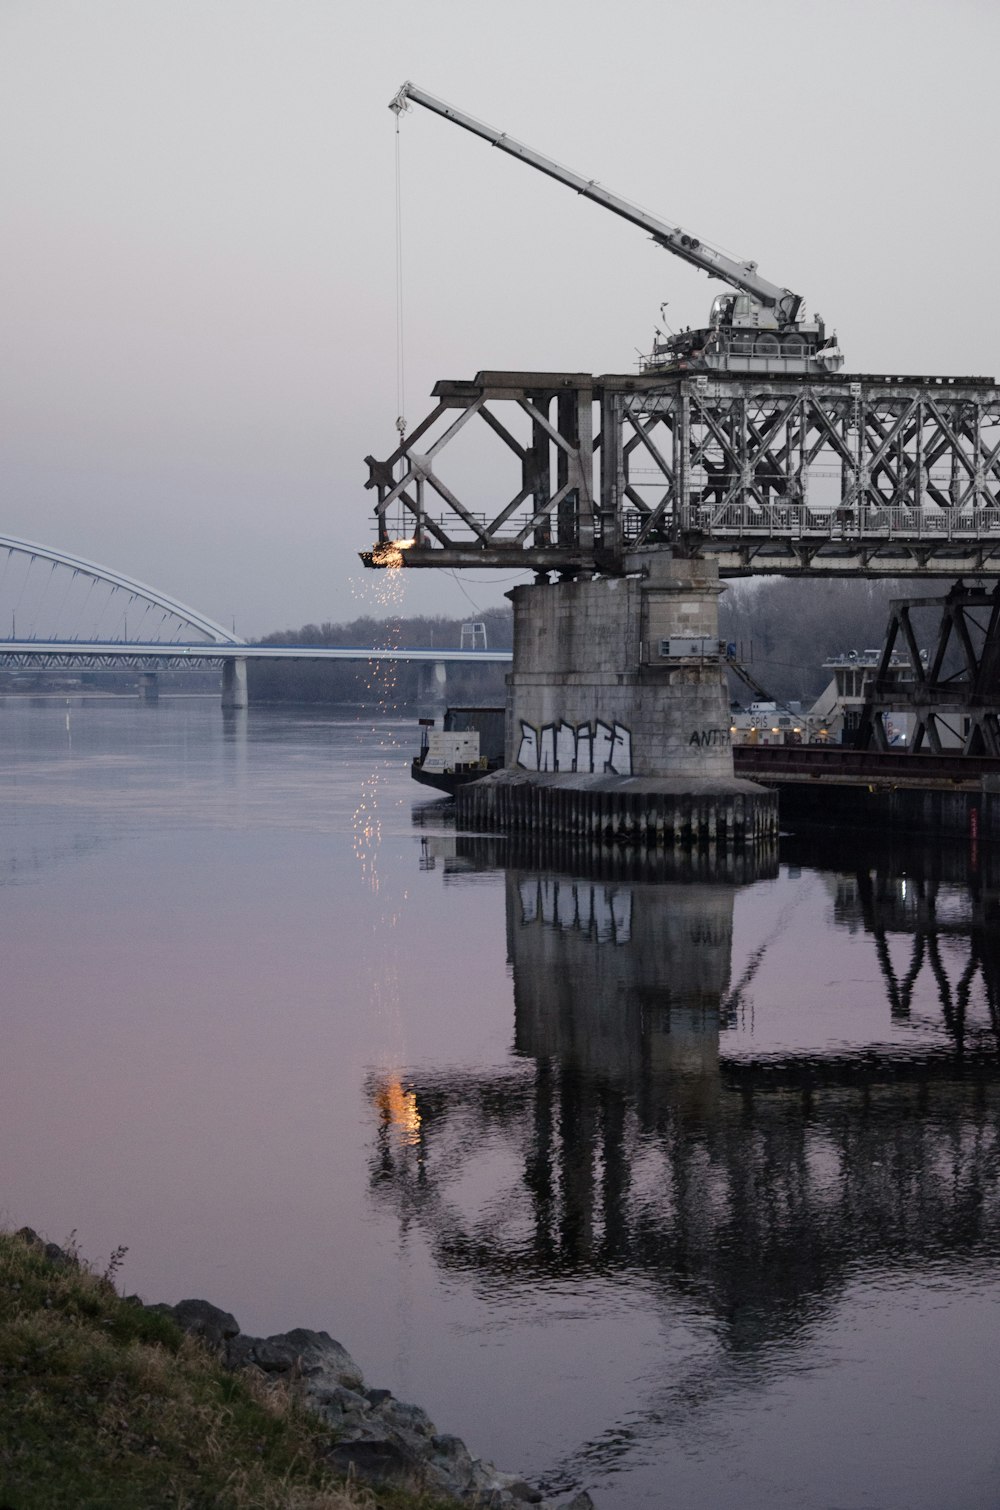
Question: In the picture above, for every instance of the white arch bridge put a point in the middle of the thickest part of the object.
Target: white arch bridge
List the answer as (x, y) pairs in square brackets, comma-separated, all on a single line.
[(68, 613)]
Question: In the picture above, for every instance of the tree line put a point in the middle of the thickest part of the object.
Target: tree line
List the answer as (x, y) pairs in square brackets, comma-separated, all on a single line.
[(784, 628), (383, 683)]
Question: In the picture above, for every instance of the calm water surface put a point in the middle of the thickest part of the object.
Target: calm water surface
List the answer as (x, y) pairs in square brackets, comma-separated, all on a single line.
[(683, 1188)]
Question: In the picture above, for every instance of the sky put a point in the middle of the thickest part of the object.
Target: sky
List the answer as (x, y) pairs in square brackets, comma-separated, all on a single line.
[(198, 311)]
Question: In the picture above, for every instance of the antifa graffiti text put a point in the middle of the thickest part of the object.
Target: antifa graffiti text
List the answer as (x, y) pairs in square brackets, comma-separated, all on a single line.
[(595, 748)]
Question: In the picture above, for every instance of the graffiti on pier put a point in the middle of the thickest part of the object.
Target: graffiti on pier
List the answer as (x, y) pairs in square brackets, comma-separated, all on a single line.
[(595, 748), (710, 739), (589, 907)]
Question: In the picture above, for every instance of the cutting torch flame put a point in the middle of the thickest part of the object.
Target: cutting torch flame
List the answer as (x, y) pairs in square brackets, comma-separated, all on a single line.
[(390, 552)]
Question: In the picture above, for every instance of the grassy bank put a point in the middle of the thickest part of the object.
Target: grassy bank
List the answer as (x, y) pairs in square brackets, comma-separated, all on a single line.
[(105, 1405)]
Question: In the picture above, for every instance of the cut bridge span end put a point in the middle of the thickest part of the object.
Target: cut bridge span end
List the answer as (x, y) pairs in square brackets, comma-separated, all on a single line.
[(845, 475)]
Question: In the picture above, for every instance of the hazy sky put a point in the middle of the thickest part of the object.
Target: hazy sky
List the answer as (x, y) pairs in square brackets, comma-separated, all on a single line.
[(197, 288)]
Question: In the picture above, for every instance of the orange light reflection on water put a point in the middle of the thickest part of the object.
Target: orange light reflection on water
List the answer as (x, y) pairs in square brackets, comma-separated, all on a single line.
[(398, 1109)]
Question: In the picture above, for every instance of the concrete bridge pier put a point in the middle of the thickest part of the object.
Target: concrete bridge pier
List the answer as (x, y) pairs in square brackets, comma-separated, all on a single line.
[(618, 715), (149, 687), (432, 696), (234, 683)]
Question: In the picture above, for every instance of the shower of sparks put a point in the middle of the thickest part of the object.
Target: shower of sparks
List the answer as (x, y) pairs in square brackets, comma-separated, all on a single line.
[(382, 679), (397, 1107)]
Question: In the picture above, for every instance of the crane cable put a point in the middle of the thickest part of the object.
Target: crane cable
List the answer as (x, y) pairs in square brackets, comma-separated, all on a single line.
[(400, 351)]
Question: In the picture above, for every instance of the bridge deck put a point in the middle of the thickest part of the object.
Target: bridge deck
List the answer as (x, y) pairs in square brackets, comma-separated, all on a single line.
[(835, 765), (61, 655)]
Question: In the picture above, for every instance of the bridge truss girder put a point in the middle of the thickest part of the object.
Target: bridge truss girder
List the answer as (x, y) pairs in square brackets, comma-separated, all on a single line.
[(854, 475), (29, 659), (952, 692)]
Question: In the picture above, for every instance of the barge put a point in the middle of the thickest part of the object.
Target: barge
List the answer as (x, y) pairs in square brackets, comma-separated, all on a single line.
[(463, 745)]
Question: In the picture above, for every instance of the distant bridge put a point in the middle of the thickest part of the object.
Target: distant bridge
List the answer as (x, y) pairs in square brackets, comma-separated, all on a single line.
[(42, 585), (97, 655), (147, 659), (67, 613)]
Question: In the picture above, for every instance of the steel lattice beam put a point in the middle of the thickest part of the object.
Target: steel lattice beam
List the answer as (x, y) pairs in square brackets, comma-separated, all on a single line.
[(848, 475), (952, 693)]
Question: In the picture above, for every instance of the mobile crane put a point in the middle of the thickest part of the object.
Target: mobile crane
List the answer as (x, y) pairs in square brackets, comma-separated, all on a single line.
[(759, 328)]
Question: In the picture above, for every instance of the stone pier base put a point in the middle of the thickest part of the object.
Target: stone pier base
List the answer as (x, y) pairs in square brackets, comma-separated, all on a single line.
[(639, 810)]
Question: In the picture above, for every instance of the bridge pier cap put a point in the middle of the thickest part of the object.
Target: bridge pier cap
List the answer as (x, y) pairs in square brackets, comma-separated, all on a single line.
[(621, 676)]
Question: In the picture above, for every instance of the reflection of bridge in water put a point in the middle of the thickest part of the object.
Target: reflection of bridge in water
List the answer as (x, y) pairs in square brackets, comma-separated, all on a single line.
[(633, 1141)]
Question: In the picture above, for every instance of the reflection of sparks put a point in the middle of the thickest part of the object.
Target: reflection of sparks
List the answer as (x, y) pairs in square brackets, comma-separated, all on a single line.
[(368, 831), (398, 1109)]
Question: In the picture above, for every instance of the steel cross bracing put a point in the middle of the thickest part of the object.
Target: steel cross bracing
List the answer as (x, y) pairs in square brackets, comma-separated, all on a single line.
[(952, 693), (849, 475)]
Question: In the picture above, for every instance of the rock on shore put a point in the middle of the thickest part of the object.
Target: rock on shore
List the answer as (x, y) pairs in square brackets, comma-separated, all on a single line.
[(375, 1436)]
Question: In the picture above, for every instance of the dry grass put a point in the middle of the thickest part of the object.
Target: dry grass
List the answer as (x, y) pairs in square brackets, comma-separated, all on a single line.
[(107, 1406)]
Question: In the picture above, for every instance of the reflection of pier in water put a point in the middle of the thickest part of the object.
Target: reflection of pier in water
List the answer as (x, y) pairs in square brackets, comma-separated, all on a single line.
[(629, 1143)]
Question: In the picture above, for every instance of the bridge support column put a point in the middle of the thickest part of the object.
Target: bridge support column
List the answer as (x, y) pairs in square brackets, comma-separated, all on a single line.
[(149, 687), (432, 696), (234, 683), (618, 714)]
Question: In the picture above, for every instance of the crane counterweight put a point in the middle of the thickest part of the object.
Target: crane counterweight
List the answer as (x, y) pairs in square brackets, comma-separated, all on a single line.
[(759, 328)]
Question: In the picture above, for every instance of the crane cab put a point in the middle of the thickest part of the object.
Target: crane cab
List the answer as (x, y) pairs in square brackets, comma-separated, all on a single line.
[(740, 312)]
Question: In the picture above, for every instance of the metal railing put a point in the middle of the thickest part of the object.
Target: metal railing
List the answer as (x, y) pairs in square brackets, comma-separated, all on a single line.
[(871, 522), (767, 521)]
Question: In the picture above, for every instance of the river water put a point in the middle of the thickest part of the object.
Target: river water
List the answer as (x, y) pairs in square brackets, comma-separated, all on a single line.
[(681, 1187)]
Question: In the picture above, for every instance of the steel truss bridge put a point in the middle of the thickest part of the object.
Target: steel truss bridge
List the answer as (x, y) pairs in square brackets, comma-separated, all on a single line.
[(843, 476)]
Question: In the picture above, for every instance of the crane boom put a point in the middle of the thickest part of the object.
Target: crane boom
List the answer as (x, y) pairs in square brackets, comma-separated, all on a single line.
[(787, 342), (742, 275)]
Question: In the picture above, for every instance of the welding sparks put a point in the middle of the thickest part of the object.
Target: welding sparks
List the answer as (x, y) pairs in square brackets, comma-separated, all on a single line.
[(390, 552), (387, 588)]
